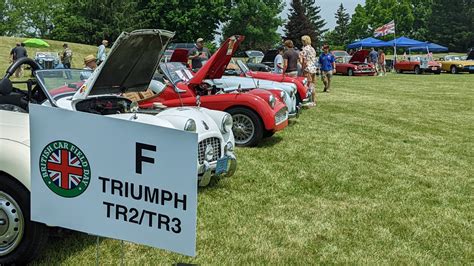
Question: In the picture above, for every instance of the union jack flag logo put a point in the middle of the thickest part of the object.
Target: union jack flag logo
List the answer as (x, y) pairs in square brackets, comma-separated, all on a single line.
[(385, 29), (65, 169)]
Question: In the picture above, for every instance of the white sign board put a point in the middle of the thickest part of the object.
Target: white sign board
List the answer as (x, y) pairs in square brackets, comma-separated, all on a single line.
[(114, 178)]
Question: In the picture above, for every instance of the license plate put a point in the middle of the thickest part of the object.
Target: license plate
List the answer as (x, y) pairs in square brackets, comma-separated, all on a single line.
[(221, 166), (435, 68)]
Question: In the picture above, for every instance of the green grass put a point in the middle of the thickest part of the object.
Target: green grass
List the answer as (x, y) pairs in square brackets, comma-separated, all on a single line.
[(79, 51), (380, 172)]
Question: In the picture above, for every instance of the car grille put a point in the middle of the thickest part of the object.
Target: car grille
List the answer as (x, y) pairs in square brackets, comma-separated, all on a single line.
[(48, 64), (216, 145), (281, 115)]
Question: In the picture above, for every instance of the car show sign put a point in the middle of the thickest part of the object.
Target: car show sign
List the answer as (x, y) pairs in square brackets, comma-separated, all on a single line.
[(114, 178)]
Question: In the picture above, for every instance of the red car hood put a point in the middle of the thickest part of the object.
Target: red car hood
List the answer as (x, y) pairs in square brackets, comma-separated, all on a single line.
[(216, 65), (359, 56), (179, 55)]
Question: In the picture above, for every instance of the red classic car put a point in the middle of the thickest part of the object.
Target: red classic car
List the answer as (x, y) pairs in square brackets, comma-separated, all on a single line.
[(418, 64), (256, 113), (356, 65)]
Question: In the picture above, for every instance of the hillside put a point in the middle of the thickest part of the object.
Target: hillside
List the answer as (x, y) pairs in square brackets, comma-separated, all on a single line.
[(79, 51)]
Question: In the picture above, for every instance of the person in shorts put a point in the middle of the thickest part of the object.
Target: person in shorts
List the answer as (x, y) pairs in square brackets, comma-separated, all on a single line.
[(327, 62), (308, 60), (290, 60), (381, 63)]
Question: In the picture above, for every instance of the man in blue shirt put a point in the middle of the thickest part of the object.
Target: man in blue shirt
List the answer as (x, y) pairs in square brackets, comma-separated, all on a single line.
[(327, 63)]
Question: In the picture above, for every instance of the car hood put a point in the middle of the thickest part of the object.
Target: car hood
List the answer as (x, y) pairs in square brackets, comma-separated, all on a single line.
[(216, 65), (459, 62), (359, 56), (179, 55), (180, 115), (269, 56), (15, 126), (251, 83), (130, 65)]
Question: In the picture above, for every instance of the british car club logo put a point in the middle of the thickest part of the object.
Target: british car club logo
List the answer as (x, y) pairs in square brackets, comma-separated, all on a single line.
[(65, 169)]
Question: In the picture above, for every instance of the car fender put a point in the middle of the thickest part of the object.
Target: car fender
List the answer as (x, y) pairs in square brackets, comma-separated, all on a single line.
[(15, 160)]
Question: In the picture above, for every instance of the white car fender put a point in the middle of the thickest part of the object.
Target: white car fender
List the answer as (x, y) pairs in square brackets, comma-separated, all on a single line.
[(16, 161)]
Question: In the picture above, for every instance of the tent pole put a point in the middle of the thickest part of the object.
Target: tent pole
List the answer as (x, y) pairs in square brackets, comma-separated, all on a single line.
[(395, 43)]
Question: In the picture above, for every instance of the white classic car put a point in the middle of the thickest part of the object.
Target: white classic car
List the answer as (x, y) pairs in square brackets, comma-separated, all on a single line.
[(20, 238)]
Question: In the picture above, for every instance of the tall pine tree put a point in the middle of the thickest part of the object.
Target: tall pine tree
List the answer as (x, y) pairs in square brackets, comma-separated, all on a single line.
[(342, 26), (313, 14), (298, 24)]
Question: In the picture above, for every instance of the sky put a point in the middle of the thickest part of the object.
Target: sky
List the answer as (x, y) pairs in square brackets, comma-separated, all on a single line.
[(328, 9)]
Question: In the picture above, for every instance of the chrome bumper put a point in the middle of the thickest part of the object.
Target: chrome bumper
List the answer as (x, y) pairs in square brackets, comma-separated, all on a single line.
[(207, 171)]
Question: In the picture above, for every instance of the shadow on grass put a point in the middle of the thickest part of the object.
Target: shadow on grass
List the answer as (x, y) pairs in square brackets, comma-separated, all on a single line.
[(270, 142), (75, 242)]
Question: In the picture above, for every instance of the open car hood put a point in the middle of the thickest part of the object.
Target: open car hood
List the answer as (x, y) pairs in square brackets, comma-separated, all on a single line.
[(359, 56), (179, 55), (130, 65), (216, 65), (269, 56)]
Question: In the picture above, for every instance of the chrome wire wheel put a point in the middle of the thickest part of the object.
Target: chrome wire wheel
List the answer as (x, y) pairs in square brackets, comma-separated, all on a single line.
[(243, 128), (11, 224)]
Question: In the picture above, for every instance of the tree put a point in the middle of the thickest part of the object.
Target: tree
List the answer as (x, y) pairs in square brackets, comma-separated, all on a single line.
[(458, 21), (37, 16), (298, 24), (359, 26), (422, 9), (10, 19), (257, 20), (342, 26), (313, 14), (190, 19)]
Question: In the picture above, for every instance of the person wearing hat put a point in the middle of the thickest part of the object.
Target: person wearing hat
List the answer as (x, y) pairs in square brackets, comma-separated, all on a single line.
[(101, 55), (90, 64), (327, 61), (66, 56), (198, 54)]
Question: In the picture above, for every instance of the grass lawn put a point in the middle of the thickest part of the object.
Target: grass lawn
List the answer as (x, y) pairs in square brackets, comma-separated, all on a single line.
[(380, 172)]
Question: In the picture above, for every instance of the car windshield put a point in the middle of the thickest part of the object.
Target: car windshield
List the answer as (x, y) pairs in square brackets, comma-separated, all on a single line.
[(45, 54), (340, 53), (57, 82), (243, 67), (176, 72)]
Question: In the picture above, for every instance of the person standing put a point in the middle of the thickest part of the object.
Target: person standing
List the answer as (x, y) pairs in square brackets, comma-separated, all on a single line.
[(381, 62), (308, 60), (290, 60), (278, 62), (101, 53), (327, 61), (66, 56), (19, 52), (90, 63), (374, 58), (198, 54), (13, 53)]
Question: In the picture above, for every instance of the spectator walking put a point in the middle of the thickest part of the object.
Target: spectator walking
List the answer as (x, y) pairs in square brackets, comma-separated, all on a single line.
[(278, 62), (13, 53), (374, 58), (308, 60), (101, 53), (198, 54), (381, 62), (290, 60), (327, 61), (66, 56)]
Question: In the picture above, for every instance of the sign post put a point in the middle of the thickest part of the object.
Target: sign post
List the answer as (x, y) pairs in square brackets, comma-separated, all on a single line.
[(114, 178)]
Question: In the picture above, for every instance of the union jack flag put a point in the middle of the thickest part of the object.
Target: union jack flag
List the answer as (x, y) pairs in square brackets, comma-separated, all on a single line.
[(65, 169), (385, 29)]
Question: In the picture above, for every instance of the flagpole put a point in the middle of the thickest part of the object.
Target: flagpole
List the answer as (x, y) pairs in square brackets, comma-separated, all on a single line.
[(395, 43)]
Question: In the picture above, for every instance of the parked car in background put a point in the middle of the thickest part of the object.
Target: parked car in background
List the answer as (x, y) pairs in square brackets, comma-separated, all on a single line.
[(172, 46), (340, 53), (253, 59), (47, 60), (256, 113), (269, 58), (355, 65), (455, 64), (417, 64)]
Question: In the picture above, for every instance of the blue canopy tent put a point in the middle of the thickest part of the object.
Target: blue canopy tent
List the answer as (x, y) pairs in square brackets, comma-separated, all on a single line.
[(405, 42), (429, 47), (367, 42)]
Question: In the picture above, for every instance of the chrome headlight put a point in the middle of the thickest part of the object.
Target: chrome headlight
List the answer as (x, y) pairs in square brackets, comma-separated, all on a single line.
[(460, 65), (190, 125), (271, 101), (229, 147), (227, 123)]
